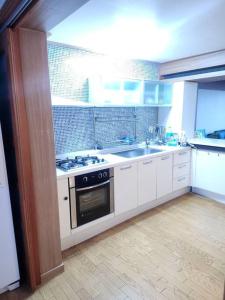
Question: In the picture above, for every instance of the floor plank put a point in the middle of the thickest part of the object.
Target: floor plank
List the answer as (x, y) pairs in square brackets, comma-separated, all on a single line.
[(175, 251)]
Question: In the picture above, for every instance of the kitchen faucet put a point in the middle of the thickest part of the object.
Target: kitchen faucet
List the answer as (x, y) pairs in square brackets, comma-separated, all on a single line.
[(147, 142)]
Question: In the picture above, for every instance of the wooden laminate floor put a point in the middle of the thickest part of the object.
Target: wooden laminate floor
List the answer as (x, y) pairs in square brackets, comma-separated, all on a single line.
[(175, 251)]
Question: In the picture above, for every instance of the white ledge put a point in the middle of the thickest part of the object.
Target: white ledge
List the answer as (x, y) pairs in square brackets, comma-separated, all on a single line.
[(208, 142)]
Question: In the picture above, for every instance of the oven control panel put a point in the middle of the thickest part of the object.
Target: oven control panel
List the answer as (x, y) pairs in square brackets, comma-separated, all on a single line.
[(92, 178)]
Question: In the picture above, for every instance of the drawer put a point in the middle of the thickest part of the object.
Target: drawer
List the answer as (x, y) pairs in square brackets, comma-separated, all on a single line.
[(181, 182), (182, 156), (181, 170)]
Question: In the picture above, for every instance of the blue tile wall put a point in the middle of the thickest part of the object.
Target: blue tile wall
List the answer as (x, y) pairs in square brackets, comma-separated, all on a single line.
[(80, 127), (73, 128), (113, 123)]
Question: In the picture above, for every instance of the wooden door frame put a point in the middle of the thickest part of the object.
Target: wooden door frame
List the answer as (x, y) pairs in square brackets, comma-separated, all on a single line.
[(34, 145), (31, 19), (23, 160)]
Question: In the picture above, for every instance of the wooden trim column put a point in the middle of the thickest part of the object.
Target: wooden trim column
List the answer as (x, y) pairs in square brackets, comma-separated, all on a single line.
[(33, 133), (31, 115), (23, 159)]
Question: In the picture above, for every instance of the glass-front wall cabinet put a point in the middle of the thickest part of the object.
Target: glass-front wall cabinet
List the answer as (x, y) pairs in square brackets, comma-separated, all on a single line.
[(157, 93), (150, 93), (132, 92), (129, 92)]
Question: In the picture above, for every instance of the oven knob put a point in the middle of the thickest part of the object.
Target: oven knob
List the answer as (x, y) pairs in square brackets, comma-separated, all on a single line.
[(85, 179), (105, 174), (100, 175)]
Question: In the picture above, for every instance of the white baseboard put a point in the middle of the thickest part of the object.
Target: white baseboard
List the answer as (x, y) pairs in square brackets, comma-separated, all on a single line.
[(3, 290), (208, 194), (14, 286), (91, 229), (10, 287)]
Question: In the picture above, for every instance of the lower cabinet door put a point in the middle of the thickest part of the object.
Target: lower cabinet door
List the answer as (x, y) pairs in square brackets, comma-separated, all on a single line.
[(125, 188), (164, 175), (210, 171), (64, 207), (146, 181)]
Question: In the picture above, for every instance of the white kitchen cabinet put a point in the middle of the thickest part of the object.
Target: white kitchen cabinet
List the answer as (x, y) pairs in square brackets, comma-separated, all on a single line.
[(147, 180), (125, 187), (193, 167), (103, 91), (181, 182), (118, 91), (203, 170), (64, 208), (157, 93), (209, 171), (164, 175), (183, 156), (181, 169)]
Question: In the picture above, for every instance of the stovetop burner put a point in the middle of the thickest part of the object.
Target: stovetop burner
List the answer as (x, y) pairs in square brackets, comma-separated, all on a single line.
[(77, 162)]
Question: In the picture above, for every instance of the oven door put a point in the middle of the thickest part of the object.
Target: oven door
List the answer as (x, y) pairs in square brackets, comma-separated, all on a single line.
[(92, 202)]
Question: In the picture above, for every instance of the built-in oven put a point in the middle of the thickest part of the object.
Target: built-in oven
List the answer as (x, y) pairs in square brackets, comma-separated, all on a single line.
[(91, 196)]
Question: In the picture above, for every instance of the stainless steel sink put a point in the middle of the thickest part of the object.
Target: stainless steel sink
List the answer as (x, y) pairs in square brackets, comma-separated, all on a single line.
[(137, 152)]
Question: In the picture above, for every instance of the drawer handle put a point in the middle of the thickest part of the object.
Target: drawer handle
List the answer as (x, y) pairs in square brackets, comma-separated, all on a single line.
[(125, 168), (181, 179), (182, 153), (147, 162), (165, 158), (181, 167)]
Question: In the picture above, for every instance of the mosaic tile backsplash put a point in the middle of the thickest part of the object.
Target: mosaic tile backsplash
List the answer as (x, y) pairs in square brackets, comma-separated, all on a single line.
[(78, 128), (81, 127)]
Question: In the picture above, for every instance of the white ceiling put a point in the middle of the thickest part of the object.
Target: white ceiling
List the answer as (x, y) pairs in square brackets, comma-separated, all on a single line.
[(156, 30)]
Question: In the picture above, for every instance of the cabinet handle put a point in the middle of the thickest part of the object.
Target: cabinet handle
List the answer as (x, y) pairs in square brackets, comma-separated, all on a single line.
[(181, 167), (147, 162), (181, 179), (182, 153), (165, 158), (125, 168), (65, 198)]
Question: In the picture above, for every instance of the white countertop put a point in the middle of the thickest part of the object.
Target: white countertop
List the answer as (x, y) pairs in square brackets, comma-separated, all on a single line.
[(112, 160), (208, 142)]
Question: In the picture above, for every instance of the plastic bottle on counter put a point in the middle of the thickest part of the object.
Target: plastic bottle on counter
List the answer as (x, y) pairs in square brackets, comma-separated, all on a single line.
[(171, 137)]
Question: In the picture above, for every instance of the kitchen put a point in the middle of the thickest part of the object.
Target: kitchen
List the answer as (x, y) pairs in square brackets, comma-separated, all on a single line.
[(131, 135)]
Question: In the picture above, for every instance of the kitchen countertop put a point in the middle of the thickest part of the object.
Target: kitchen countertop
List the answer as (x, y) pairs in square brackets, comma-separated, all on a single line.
[(112, 160), (208, 142)]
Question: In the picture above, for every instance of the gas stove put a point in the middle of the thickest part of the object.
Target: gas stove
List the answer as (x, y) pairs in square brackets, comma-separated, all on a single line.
[(70, 163)]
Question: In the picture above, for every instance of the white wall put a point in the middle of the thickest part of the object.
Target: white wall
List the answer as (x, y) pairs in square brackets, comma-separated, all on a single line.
[(172, 116), (210, 110), (189, 108), (181, 116)]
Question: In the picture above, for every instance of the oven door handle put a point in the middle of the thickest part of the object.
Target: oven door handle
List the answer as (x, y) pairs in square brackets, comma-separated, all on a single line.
[(93, 186)]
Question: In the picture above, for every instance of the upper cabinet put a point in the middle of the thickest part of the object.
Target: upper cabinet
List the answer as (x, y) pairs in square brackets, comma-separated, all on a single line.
[(119, 92), (129, 92), (157, 93), (132, 92)]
